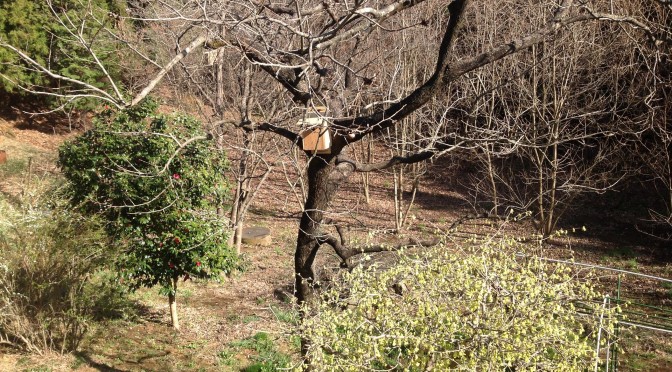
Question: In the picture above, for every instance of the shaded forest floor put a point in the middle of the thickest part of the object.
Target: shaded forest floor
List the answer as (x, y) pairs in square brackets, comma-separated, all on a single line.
[(244, 322)]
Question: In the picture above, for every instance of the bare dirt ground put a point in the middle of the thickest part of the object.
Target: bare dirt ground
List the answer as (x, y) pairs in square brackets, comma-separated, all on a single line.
[(217, 318)]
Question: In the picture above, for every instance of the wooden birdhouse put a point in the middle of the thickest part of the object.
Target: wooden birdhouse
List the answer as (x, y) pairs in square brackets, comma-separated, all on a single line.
[(316, 137)]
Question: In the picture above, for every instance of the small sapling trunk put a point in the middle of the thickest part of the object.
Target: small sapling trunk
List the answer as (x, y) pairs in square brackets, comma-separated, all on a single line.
[(172, 301)]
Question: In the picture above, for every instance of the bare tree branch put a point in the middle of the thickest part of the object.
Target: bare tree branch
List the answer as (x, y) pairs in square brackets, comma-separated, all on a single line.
[(200, 40)]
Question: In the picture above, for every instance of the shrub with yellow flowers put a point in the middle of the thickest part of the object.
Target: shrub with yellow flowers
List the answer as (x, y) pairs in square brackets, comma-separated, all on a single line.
[(479, 308)]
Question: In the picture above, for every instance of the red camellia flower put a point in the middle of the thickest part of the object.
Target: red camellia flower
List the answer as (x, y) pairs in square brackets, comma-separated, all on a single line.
[(198, 263), (170, 264), (177, 240), (176, 176)]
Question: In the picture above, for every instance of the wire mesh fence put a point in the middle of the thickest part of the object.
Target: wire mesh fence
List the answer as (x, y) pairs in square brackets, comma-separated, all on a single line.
[(637, 310)]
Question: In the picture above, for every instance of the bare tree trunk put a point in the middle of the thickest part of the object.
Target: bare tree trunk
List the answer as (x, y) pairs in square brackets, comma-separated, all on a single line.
[(239, 233), (491, 178), (553, 137), (233, 217), (242, 193), (219, 106), (219, 143), (365, 148), (539, 154), (367, 179), (220, 88), (414, 191), (317, 201), (398, 190), (669, 201), (489, 150), (173, 304), (551, 217), (320, 192)]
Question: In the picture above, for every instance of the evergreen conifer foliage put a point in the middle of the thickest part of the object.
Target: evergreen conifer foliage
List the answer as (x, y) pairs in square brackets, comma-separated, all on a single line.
[(66, 36)]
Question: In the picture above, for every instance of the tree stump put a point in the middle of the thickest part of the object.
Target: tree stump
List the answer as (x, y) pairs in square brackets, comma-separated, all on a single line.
[(256, 235)]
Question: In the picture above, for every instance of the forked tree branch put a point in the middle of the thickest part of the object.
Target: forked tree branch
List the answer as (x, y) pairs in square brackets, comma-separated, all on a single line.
[(363, 125), (346, 253), (417, 157), (268, 127), (445, 73), (200, 40)]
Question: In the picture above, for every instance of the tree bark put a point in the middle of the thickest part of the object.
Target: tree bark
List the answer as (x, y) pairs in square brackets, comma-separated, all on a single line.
[(320, 192), (173, 304)]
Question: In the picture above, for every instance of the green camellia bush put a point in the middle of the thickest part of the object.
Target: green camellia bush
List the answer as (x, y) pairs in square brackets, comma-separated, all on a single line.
[(156, 179), (479, 310)]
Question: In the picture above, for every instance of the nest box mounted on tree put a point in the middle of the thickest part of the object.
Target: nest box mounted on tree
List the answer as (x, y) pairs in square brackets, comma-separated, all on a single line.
[(316, 137)]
